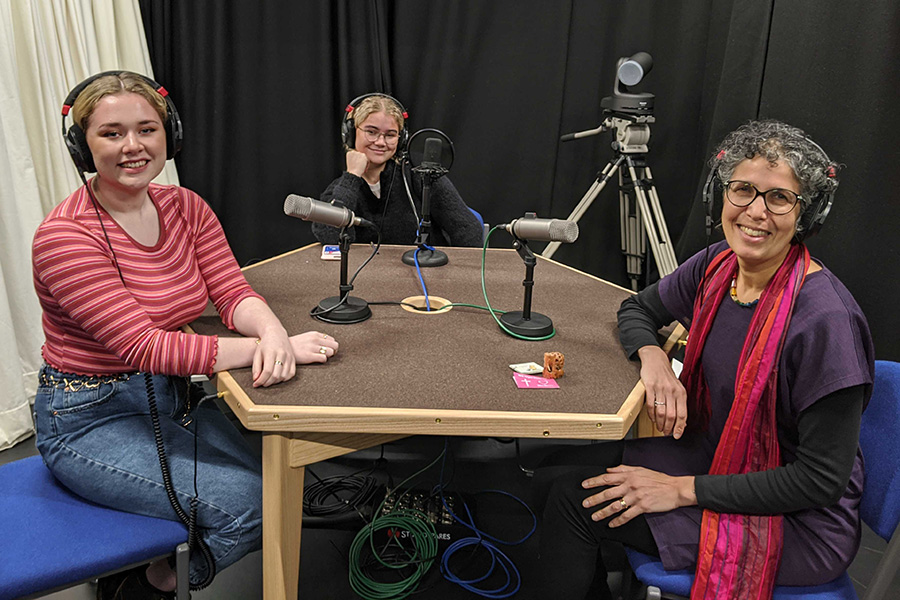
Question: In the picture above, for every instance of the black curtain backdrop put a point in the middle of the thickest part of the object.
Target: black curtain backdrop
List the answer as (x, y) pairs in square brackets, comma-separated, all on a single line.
[(261, 87)]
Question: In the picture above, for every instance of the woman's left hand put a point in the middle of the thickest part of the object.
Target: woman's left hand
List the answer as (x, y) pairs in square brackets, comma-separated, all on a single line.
[(635, 490)]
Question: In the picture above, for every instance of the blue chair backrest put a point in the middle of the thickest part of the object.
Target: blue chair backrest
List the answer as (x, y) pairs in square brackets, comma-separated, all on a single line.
[(878, 438), (477, 215)]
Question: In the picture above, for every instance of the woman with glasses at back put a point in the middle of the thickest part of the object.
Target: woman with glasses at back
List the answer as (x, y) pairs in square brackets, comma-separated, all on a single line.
[(374, 186), (757, 481)]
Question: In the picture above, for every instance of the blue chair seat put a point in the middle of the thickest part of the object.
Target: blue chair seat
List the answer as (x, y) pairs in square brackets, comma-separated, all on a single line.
[(55, 539), (649, 570)]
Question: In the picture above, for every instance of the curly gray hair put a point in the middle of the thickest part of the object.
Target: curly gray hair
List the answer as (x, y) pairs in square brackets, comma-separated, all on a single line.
[(776, 141)]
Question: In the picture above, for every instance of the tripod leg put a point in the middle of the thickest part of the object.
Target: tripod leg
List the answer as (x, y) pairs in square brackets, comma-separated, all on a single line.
[(666, 246), (588, 198), (662, 262), (632, 239)]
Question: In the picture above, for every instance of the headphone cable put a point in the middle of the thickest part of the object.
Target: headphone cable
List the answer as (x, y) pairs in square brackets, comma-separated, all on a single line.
[(409, 192), (95, 203), (189, 520)]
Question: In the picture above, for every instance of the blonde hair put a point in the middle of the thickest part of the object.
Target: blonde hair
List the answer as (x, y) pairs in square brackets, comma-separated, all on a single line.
[(378, 103), (110, 85)]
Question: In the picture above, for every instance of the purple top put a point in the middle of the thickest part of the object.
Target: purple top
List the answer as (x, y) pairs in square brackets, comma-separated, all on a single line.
[(828, 347)]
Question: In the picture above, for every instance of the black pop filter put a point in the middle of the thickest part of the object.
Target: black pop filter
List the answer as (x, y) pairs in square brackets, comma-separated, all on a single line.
[(415, 148)]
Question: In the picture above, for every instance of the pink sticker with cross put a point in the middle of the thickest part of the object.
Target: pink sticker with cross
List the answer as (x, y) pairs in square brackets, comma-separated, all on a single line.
[(533, 382)]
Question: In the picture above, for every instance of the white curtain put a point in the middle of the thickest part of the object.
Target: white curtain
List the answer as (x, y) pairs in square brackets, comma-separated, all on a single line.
[(46, 48)]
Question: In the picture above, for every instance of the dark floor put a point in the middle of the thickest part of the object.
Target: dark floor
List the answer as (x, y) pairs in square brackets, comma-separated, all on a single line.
[(477, 464), (474, 465)]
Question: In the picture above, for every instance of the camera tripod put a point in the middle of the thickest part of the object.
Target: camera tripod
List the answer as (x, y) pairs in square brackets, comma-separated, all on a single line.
[(640, 214)]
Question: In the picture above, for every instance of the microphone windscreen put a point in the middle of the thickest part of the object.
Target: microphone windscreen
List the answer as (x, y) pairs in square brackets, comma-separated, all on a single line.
[(563, 231), (298, 206), (432, 154)]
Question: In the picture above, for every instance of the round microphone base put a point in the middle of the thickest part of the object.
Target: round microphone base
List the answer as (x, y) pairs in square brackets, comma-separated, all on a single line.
[(427, 258), (353, 310), (537, 326)]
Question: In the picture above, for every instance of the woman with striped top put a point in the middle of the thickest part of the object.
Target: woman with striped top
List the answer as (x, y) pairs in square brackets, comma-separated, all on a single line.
[(119, 267)]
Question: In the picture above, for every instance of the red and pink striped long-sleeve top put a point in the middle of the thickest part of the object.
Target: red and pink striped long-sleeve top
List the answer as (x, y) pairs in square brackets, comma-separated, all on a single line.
[(95, 325)]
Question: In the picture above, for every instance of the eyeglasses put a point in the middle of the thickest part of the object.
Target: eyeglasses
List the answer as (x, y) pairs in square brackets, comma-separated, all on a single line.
[(777, 201), (372, 135)]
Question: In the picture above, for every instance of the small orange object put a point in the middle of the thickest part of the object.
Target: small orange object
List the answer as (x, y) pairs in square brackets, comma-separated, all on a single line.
[(553, 365)]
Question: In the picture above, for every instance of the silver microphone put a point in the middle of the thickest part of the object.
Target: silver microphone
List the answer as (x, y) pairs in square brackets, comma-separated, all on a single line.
[(544, 230), (322, 212)]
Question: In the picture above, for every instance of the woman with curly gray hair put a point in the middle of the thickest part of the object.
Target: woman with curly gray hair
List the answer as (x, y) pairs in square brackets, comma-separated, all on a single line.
[(758, 471), (774, 141)]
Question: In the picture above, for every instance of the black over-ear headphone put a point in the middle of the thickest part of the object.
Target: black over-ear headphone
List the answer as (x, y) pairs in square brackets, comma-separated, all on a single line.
[(811, 220), (76, 141), (348, 123)]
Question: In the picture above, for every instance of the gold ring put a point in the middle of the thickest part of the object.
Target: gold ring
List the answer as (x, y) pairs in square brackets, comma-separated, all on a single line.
[(322, 350), (278, 362), (325, 336), (624, 504), (658, 403)]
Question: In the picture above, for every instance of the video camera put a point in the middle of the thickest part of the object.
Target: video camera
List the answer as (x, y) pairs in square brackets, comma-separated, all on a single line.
[(630, 71)]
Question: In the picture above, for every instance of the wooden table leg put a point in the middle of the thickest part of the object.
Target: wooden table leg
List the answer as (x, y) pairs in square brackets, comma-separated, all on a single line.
[(285, 456), (282, 518)]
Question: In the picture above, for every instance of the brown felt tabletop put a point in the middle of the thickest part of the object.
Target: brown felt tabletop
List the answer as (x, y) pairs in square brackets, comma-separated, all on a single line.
[(457, 360)]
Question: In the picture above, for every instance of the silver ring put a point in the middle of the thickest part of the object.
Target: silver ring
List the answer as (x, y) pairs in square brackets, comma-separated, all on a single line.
[(624, 504), (658, 403), (278, 362)]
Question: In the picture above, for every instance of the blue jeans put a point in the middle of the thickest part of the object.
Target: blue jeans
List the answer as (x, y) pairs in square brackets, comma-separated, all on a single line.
[(96, 436)]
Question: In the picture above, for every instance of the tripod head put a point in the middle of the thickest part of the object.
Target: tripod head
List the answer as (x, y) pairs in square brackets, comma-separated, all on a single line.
[(631, 133)]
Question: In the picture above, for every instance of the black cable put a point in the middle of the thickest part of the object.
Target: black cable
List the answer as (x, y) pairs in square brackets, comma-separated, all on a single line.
[(387, 195), (351, 493), (102, 226), (316, 312), (189, 520), (396, 303), (194, 539)]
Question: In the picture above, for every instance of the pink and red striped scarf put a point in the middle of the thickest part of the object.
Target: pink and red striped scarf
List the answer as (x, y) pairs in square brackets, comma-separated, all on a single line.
[(739, 554)]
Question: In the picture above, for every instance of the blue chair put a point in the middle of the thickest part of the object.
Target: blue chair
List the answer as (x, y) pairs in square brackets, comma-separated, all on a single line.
[(484, 226), (54, 539), (879, 507)]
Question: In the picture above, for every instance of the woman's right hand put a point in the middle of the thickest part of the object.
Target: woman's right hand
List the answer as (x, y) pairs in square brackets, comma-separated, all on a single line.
[(666, 398), (356, 163), (313, 346)]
